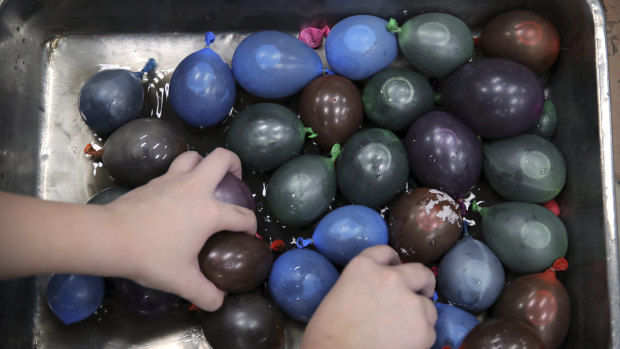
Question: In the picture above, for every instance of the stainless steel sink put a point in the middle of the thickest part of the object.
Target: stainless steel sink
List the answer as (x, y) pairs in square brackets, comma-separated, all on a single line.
[(49, 48)]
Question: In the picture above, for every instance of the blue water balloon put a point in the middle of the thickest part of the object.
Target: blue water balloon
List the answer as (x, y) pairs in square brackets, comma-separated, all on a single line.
[(112, 97), (202, 87), (360, 46), (299, 281), (272, 64), (346, 231), (453, 324), (470, 276), (74, 297)]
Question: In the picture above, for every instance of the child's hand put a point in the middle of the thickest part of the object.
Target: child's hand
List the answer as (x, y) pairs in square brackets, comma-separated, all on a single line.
[(376, 303), (166, 222)]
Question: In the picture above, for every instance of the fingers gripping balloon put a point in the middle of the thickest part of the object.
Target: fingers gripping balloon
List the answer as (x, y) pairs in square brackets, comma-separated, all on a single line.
[(202, 87)]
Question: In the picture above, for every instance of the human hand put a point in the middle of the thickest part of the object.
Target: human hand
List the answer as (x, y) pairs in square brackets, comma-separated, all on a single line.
[(165, 223), (376, 303)]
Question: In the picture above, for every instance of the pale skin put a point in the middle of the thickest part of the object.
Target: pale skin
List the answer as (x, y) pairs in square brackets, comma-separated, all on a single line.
[(153, 235)]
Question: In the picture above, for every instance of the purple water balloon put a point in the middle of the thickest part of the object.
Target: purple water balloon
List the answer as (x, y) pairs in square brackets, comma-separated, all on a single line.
[(234, 191), (496, 97), (444, 153)]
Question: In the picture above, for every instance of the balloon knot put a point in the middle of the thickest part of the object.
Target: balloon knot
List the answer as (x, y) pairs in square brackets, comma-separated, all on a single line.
[(258, 235), (560, 264), (97, 154), (334, 153), (435, 271), (310, 132), (392, 26), (553, 206), (301, 242), (465, 226), (475, 207), (149, 66), (462, 206), (327, 71), (313, 37), (438, 98), (209, 38), (435, 296), (277, 245), (476, 42), (193, 308)]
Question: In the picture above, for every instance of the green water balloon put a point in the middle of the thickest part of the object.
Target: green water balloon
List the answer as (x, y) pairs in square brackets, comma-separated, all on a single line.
[(548, 121), (394, 98), (526, 237), (524, 168)]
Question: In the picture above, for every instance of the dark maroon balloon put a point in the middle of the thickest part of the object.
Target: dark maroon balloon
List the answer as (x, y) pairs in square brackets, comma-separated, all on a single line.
[(142, 149), (500, 334), (496, 97), (247, 321), (234, 191), (142, 300), (444, 153), (332, 106), (235, 262), (424, 224), (540, 301), (524, 36)]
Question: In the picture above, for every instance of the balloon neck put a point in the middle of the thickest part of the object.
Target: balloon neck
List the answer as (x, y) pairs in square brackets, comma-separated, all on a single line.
[(96, 154), (327, 71), (475, 207), (301, 242), (209, 38), (560, 264), (310, 132), (334, 153), (392, 26), (277, 245), (435, 297), (435, 271), (465, 227), (462, 206), (148, 67)]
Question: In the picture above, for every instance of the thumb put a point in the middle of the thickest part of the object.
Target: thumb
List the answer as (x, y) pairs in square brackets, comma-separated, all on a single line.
[(201, 292)]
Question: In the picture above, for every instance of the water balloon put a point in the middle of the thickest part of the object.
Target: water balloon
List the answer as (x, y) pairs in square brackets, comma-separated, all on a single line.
[(453, 324), (525, 168), (394, 98), (524, 36), (112, 97), (302, 189), (424, 224), (299, 281), (547, 121), (246, 321), (142, 149), (272, 64), (526, 237), (496, 97), (235, 262), (444, 153), (502, 333), (202, 87), (372, 167), (266, 135), (331, 105), (142, 300), (346, 231), (233, 190), (74, 297), (359, 46), (435, 43), (470, 276)]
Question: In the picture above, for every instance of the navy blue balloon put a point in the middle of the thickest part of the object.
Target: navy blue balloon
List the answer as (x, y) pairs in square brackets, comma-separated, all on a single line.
[(143, 300), (202, 87), (299, 281), (444, 153), (453, 324), (111, 98), (470, 276), (272, 64), (360, 46), (74, 297), (346, 231)]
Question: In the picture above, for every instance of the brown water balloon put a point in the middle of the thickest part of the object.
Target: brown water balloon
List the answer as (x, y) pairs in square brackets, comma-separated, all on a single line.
[(235, 262), (424, 224), (332, 106), (246, 321), (502, 333), (524, 36), (540, 301)]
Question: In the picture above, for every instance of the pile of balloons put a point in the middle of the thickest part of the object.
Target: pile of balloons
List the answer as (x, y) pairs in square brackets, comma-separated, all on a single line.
[(365, 148)]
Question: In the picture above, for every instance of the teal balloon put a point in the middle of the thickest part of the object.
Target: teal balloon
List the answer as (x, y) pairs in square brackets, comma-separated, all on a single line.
[(436, 43), (265, 135), (394, 98), (372, 167), (301, 190), (525, 168), (526, 237), (548, 121)]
